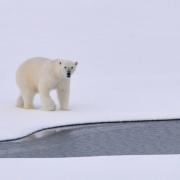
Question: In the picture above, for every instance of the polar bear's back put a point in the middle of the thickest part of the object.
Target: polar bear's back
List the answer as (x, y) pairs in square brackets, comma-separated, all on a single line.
[(28, 73)]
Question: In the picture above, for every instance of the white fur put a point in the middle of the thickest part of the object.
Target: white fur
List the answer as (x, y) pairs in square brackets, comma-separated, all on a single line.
[(41, 75)]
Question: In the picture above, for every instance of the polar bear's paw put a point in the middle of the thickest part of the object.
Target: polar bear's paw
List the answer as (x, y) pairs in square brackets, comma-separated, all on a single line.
[(64, 109), (49, 106), (28, 106)]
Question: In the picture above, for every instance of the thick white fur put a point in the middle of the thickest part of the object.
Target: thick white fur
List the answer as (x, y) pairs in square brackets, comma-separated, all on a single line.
[(41, 75)]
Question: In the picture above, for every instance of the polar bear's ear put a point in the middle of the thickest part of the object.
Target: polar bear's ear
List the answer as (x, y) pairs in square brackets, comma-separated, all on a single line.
[(76, 63)]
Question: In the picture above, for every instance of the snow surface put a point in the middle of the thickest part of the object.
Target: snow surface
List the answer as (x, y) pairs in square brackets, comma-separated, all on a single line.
[(128, 53), (156, 167)]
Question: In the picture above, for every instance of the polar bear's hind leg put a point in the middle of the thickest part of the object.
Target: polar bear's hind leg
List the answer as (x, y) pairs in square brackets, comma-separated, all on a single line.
[(28, 97)]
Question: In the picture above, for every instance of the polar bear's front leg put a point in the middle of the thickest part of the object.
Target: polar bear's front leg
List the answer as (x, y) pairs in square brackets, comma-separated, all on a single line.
[(63, 96), (47, 102)]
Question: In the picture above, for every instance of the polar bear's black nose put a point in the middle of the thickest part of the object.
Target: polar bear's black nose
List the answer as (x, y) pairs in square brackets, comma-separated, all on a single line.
[(68, 74)]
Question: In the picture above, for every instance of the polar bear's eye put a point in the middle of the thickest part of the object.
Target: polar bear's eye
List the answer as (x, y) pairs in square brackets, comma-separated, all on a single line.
[(72, 67), (65, 67)]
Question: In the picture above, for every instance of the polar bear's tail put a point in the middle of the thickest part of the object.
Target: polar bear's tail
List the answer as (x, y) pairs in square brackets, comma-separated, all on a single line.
[(20, 102)]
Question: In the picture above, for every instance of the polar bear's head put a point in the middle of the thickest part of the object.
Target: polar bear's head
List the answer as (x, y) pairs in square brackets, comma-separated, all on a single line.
[(67, 67)]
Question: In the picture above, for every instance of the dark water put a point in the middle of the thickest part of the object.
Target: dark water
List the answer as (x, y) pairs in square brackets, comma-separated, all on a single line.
[(154, 137)]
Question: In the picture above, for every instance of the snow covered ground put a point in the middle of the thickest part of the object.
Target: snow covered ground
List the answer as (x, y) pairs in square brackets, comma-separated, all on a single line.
[(128, 53), (114, 167)]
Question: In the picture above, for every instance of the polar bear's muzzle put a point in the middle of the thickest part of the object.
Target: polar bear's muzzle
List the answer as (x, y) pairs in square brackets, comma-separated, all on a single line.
[(68, 74)]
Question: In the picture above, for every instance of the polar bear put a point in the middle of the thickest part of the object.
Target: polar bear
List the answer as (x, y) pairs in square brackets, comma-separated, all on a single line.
[(41, 75)]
